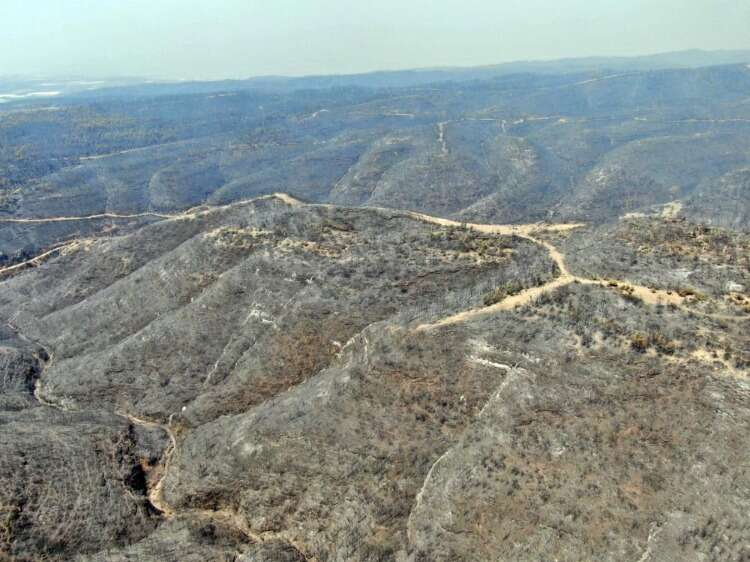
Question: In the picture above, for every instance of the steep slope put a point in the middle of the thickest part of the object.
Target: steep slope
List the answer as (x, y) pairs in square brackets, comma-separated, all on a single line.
[(724, 202), (498, 439), (276, 381), (259, 289)]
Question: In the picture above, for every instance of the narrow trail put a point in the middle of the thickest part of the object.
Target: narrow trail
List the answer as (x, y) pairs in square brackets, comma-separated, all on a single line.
[(85, 218), (190, 213), (36, 260), (194, 212), (441, 137), (119, 152), (601, 79)]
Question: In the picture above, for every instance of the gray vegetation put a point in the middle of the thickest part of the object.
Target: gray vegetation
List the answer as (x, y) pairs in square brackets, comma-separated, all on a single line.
[(193, 371)]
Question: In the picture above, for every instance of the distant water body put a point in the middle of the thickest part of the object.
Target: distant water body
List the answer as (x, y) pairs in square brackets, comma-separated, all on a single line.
[(10, 97)]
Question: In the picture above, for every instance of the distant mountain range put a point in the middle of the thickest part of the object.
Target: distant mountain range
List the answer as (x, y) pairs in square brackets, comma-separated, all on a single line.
[(18, 88), (402, 78)]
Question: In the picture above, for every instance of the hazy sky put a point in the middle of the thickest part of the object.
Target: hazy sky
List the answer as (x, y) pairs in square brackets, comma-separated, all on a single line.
[(240, 38)]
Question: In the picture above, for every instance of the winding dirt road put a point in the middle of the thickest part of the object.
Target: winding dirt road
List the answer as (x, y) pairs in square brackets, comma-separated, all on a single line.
[(36, 260), (648, 295), (75, 244), (85, 218)]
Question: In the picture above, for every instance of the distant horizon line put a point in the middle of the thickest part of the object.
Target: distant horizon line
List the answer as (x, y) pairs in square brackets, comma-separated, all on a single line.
[(160, 79)]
